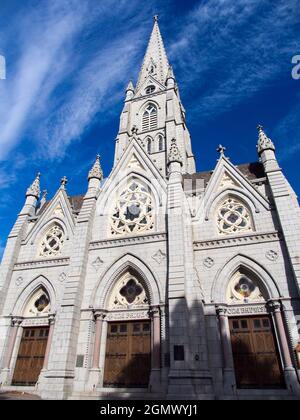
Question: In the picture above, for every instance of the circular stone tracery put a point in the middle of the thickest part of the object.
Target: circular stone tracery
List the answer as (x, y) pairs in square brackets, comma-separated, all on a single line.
[(233, 217), (53, 242), (133, 212)]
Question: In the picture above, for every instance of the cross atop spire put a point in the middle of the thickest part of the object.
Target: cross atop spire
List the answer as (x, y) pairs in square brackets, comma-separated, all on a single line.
[(221, 149), (156, 63), (63, 182)]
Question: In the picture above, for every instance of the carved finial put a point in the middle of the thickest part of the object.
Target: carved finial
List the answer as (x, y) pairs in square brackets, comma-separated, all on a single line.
[(155, 18), (63, 182), (44, 198), (221, 149), (174, 153), (35, 190), (264, 143), (96, 171), (134, 130)]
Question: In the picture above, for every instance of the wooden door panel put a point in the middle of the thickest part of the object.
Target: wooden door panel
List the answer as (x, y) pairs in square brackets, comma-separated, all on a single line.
[(256, 359), (31, 356), (128, 354)]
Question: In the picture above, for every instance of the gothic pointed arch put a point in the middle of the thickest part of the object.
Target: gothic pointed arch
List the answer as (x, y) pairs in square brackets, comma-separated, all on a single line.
[(149, 117), (160, 142), (243, 266), (236, 194), (149, 143), (33, 292), (127, 264)]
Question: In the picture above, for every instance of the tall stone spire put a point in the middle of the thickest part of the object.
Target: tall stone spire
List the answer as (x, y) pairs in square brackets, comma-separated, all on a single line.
[(264, 143), (96, 171), (35, 190), (156, 63)]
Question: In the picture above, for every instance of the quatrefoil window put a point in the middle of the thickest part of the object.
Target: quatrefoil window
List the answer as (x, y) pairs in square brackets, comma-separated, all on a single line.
[(131, 291), (133, 212), (233, 217), (41, 303), (53, 242)]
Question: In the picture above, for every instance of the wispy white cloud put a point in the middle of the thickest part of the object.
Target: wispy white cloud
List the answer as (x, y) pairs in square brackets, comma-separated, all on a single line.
[(286, 134), (242, 46), (65, 71)]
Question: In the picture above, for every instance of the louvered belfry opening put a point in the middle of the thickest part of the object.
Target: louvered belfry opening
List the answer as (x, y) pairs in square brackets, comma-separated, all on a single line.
[(150, 118)]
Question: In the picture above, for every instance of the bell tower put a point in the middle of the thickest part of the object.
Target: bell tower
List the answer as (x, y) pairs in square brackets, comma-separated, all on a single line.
[(153, 111)]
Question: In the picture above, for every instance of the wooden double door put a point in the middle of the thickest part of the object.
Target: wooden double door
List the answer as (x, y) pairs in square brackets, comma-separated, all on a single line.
[(128, 354), (31, 356), (256, 357)]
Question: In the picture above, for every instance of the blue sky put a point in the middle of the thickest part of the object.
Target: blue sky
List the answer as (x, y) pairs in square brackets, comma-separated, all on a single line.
[(68, 62)]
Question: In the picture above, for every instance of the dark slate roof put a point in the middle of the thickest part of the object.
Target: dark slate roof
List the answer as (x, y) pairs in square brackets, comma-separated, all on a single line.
[(251, 171), (75, 202)]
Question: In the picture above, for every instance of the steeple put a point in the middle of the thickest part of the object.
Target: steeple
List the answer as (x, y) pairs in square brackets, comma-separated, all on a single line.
[(264, 143), (96, 171), (266, 151), (34, 190), (156, 63)]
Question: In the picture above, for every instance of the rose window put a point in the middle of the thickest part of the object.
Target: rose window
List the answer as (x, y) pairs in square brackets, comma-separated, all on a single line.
[(233, 217), (53, 242), (133, 212)]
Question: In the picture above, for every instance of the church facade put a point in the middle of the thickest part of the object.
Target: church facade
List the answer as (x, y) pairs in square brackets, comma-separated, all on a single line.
[(160, 282)]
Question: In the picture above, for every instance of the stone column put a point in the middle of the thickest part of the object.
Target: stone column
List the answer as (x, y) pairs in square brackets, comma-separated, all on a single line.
[(229, 382), (15, 324), (94, 378), (99, 318), (155, 381), (49, 342), (290, 374)]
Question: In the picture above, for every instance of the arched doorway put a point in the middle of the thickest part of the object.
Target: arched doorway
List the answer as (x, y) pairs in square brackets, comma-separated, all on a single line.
[(254, 347), (128, 342), (34, 340)]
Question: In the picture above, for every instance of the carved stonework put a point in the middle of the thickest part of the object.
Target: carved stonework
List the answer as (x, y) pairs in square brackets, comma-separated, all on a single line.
[(128, 316), (38, 305), (208, 262), (19, 281), (272, 255), (96, 171), (227, 181), (243, 288), (134, 163), (62, 277), (234, 241), (133, 212), (128, 293), (97, 263), (264, 143), (159, 257), (174, 153), (233, 217), (58, 211)]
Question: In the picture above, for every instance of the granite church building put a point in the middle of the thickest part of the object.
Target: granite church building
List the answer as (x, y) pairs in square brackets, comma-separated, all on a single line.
[(159, 282)]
